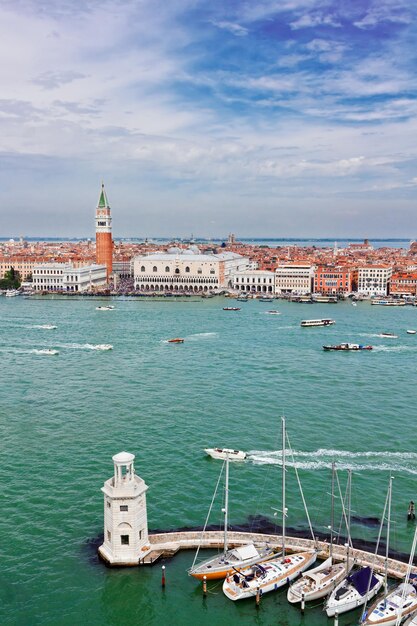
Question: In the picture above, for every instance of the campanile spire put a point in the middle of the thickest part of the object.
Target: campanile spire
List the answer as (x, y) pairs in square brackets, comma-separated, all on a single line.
[(104, 242)]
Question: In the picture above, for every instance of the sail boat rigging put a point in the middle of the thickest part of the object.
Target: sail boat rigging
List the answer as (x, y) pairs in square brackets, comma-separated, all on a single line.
[(275, 573), (221, 565)]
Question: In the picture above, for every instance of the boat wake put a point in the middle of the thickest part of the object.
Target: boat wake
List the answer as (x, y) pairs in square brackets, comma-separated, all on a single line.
[(202, 335), (323, 458), (87, 346), (43, 326), (395, 348)]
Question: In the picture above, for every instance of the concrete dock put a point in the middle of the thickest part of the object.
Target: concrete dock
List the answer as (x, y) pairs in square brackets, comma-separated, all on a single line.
[(168, 544)]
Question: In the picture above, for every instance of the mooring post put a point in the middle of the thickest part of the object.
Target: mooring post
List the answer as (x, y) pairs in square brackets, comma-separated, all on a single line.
[(303, 602), (258, 596), (336, 619), (163, 577), (204, 586)]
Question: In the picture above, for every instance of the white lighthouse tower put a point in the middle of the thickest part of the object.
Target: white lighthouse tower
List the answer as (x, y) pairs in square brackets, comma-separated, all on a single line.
[(125, 517)]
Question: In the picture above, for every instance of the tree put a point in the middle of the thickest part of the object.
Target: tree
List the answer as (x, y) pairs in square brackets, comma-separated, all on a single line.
[(11, 279)]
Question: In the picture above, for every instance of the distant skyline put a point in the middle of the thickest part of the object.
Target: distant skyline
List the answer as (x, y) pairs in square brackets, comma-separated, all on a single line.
[(280, 118)]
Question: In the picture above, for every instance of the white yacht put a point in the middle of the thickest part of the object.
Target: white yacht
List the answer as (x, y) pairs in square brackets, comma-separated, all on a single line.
[(354, 591), (224, 453)]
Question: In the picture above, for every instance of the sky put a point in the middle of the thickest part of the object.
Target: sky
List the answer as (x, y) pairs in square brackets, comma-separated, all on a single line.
[(273, 118)]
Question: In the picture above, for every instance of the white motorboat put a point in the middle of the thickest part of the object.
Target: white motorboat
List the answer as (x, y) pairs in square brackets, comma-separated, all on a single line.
[(323, 322), (388, 335), (411, 332), (104, 308), (273, 312), (223, 564), (224, 453), (47, 351), (354, 591), (11, 293), (268, 576)]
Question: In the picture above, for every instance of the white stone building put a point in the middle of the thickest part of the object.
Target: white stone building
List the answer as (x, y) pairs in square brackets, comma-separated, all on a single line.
[(294, 278), (125, 515), (373, 280), (254, 281), (186, 270), (61, 277)]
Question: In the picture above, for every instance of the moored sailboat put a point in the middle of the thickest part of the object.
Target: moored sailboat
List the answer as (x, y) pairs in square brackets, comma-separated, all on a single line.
[(223, 564), (270, 576)]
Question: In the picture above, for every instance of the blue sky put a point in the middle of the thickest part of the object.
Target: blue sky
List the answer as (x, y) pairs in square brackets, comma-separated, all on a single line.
[(269, 118)]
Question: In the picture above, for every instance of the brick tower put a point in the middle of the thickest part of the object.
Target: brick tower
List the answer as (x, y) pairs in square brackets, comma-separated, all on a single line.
[(104, 242)]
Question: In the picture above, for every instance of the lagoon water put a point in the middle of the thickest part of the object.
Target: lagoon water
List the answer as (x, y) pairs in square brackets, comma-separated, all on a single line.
[(63, 416)]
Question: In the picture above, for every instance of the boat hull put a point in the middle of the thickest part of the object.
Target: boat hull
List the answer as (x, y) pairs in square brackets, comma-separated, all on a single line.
[(353, 601), (222, 571), (298, 591)]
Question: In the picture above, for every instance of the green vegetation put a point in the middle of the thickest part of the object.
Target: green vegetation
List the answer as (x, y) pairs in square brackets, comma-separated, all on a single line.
[(11, 279)]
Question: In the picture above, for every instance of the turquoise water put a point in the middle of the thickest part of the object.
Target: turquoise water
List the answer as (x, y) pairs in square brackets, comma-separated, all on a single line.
[(62, 418)]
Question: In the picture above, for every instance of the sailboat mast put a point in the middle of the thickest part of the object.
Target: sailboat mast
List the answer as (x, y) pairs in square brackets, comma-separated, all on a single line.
[(283, 487), (348, 520), (226, 503), (388, 535), (332, 512)]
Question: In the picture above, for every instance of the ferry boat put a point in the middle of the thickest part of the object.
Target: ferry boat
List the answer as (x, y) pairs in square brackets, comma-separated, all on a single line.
[(324, 322), (325, 299), (388, 302), (348, 346), (224, 453)]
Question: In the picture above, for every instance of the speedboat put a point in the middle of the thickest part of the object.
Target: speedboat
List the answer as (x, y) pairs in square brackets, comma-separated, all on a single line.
[(411, 332), (231, 308), (224, 453), (176, 340), (401, 602), (273, 312), (48, 351), (388, 335), (268, 576), (348, 346), (104, 308), (354, 591), (317, 582)]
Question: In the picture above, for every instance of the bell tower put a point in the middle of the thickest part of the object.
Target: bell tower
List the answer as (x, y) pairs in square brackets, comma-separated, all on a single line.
[(104, 242), (125, 516)]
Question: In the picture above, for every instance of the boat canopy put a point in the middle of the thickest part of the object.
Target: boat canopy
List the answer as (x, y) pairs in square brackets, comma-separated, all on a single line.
[(245, 552), (315, 574), (363, 580)]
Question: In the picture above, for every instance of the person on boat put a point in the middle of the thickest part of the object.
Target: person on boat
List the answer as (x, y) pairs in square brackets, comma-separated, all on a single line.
[(411, 513)]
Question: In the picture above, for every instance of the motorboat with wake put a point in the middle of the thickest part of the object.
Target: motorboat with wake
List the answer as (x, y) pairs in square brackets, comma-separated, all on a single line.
[(224, 453), (388, 335), (105, 308), (310, 323), (176, 340), (231, 308), (277, 572), (355, 347), (225, 563)]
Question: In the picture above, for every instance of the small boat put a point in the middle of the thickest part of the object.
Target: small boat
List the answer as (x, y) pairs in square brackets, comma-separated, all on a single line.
[(274, 312), (231, 308), (104, 308), (324, 322), (266, 299), (176, 340), (354, 304), (242, 299), (223, 453), (47, 351), (348, 346), (388, 335), (11, 293), (354, 591), (411, 332), (268, 576)]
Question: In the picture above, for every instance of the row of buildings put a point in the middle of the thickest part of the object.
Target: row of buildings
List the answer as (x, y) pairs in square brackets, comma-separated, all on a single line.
[(147, 267)]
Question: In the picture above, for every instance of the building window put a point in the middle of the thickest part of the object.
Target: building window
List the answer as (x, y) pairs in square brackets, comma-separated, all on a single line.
[(124, 539), (199, 271), (108, 535), (187, 269), (140, 535), (108, 504), (212, 271), (167, 269), (154, 269), (177, 271), (124, 507), (142, 269)]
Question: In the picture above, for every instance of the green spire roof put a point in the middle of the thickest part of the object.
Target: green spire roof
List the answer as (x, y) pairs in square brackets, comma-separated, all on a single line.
[(103, 203)]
